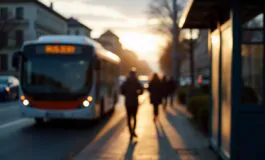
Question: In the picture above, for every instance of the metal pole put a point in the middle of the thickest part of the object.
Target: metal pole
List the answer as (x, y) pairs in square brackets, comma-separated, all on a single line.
[(191, 60), (174, 43)]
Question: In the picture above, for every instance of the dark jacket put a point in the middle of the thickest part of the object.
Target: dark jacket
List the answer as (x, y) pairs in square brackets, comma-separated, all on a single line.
[(156, 92), (131, 89)]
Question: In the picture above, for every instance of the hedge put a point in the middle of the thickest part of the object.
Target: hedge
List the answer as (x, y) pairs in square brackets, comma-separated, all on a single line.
[(199, 108), (184, 93)]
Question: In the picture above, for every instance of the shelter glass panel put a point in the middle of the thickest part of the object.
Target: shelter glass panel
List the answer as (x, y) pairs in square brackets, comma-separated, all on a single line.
[(227, 43), (215, 43)]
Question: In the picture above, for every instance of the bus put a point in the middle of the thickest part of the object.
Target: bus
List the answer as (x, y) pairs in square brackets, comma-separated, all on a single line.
[(66, 77)]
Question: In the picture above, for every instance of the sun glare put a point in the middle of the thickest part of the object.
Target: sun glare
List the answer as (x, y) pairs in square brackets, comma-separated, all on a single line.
[(145, 45)]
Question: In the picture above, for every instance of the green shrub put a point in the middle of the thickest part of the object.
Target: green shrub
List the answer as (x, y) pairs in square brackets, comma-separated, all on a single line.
[(199, 108), (185, 92), (188, 92), (203, 118)]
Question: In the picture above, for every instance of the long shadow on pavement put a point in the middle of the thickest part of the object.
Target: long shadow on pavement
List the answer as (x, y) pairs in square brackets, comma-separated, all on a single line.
[(195, 143), (130, 150), (165, 148), (184, 128)]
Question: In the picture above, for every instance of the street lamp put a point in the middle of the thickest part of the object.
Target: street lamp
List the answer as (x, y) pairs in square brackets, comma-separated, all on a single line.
[(192, 36), (191, 60)]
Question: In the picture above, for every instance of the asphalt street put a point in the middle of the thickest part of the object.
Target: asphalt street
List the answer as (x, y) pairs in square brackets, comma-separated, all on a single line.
[(21, 139)]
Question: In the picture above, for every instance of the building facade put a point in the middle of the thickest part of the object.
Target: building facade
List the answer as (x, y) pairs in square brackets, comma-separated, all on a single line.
[(110, 41), (77, 28), (30, 19)]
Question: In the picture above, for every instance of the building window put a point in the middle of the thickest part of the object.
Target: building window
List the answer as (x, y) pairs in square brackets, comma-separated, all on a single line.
[(3, 62), (19, 13), (77, 32), (19, 37), (3, 13), (3, 39)]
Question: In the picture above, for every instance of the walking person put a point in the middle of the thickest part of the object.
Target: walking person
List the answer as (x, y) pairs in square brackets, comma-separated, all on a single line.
[(155, 89), (164, 91), (131, 89)]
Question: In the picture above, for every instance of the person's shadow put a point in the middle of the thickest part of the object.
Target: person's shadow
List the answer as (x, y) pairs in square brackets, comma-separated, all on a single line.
[(130, 150)]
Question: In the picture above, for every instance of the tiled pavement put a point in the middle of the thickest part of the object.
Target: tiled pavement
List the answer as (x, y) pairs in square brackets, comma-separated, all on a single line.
[(172, 138)]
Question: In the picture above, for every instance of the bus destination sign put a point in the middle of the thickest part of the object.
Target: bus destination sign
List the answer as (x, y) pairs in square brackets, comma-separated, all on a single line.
[(59, 49)]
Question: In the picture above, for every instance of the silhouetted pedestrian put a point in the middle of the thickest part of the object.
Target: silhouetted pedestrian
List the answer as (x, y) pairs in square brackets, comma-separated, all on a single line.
[(156, 93), (164, 91), (131, 89)]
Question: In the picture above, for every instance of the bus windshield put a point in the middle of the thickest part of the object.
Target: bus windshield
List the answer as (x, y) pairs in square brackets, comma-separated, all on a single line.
[(57, 74)]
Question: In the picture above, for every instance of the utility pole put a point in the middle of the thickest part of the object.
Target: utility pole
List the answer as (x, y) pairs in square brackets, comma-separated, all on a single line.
[(174, 43)]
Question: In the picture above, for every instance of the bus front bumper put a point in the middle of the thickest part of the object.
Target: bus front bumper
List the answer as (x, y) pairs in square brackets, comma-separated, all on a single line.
[(84, 113)]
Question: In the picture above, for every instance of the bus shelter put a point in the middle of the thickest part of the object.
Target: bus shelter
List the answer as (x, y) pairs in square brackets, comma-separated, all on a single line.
[(236, 47)]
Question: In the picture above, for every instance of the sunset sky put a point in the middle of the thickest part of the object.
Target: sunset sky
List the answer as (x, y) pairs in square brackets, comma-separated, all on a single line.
[(127, 18)]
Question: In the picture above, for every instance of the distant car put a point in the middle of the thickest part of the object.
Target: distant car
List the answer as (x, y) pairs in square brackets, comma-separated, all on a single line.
[(8, 87), (144, 83), (144, 80)]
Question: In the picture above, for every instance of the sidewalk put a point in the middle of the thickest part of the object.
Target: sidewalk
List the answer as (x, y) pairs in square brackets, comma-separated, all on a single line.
[(172, 138)]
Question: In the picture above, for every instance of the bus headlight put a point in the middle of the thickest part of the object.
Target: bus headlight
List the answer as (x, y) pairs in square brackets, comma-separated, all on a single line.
[(25, 102), (86, 103), (7, 89)]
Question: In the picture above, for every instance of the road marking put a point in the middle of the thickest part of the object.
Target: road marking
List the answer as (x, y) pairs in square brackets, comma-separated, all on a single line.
[(12, 123)]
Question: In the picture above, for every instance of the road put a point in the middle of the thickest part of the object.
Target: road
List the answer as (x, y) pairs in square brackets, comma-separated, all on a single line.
[(172, 137), (21, 139)]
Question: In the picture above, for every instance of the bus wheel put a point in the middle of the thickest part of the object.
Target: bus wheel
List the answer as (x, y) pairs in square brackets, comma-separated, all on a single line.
[(102, 106), (39, 121)]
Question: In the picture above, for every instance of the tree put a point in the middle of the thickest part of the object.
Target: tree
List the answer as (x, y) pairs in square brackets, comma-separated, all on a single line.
[(143, 68), (7, 25), (161, 11), (129, 59), (165, 60)]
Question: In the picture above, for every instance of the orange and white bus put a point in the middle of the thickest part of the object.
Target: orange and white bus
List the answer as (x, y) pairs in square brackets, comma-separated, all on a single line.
[(66, 77)]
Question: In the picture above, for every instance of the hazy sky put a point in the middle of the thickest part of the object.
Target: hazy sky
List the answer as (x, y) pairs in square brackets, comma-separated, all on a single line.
[(127, 18)]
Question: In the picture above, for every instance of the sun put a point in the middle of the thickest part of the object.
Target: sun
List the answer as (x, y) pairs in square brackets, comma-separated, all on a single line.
[(145, 45)]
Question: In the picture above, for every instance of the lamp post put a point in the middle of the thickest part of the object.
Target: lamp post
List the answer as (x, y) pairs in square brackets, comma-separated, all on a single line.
[(191, 60), (174, 43), (192, 36)]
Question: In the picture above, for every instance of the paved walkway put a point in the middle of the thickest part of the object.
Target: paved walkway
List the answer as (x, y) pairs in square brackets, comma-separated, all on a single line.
[(172, 138)]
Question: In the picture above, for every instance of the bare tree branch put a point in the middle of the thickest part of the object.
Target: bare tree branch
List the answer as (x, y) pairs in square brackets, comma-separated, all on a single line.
[(162, 12)]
